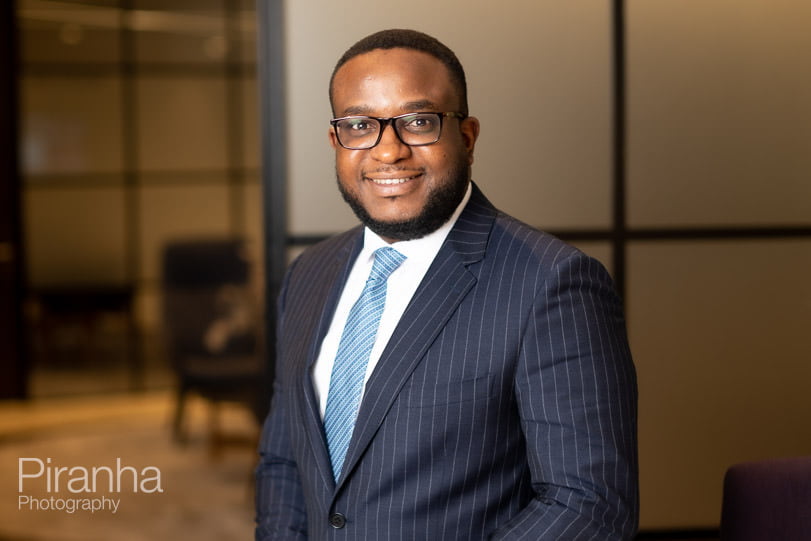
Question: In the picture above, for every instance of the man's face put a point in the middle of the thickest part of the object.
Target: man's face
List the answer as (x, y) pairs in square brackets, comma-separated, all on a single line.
[(402, 192)]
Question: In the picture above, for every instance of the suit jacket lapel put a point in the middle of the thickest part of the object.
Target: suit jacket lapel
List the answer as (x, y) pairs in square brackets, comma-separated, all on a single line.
[(325, 302), (446, 283)]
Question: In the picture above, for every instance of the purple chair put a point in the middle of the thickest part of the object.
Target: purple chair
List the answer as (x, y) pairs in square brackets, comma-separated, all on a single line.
[(768, 500)]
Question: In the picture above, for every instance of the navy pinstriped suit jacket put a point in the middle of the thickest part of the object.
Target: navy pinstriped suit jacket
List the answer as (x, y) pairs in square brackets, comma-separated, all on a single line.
[(503, 407)]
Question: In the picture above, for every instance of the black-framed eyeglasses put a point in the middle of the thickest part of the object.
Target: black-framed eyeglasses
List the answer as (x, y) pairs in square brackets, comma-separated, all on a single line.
[(412, 129)]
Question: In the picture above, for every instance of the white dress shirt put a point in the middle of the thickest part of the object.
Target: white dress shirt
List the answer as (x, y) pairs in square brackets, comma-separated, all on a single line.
[(402, 284)]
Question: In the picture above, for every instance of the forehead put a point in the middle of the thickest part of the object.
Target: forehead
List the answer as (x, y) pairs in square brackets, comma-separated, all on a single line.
[(385, 80)]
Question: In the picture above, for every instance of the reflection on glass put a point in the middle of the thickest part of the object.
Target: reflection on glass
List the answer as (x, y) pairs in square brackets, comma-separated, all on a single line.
[(182, 123), (133, 131), (58, 31), (71, 125)]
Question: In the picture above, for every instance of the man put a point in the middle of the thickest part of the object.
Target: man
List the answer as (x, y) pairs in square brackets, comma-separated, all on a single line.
[(478, 385)]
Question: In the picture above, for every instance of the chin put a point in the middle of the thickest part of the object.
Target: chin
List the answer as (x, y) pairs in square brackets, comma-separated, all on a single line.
[(395, 216), (413, 221), (407, 226)]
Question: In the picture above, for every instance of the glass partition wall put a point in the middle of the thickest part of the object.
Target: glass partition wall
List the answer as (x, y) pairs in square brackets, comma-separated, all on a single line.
[(137, 128)]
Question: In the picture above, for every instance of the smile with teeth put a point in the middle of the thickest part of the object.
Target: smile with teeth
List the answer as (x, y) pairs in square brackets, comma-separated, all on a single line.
[(392, 181)]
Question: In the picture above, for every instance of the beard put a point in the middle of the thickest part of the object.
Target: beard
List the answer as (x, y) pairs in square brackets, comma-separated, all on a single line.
[(441, 203)]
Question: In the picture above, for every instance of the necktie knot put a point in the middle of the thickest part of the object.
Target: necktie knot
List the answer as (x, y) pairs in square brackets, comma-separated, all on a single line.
[(387, 260)]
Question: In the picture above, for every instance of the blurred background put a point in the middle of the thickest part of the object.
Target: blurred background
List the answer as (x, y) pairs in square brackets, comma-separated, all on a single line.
[(163, 160)]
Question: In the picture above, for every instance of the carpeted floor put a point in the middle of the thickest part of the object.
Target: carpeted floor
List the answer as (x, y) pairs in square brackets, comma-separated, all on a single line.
[(204, 497)]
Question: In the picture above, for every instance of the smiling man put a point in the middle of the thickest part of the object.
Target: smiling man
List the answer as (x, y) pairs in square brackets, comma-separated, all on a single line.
[(444, 371), (405, 182)]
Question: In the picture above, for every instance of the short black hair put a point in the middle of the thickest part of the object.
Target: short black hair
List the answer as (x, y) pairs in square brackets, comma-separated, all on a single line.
[(409, 39)]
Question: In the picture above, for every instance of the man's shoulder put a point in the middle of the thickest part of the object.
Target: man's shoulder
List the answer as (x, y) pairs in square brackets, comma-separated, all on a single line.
[(530, 255), (506, 232), (485, 229), (520, 238)]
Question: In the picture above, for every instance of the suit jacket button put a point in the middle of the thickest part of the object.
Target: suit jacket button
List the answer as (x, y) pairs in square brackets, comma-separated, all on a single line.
[(337, 521)]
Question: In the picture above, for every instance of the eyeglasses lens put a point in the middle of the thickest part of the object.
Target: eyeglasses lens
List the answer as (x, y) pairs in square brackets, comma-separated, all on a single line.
[(364, 132)]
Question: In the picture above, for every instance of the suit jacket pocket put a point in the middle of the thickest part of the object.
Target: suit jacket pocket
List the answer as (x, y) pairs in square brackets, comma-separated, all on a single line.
[(454, 392)]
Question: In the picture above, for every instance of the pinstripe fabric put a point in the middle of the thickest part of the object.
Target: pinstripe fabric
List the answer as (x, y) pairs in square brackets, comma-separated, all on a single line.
[(346, 381), (504, 405)]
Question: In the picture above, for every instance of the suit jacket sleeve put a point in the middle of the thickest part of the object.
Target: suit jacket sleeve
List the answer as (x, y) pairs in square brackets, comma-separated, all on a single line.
[(576, 392), (280, 507)]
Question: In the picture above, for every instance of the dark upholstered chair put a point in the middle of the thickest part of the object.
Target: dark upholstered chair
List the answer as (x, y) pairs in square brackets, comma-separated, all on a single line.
[(769, 500), (211, 326)]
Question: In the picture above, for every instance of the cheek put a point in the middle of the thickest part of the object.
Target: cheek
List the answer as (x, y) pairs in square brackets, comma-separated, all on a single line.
[(435, 158), (440, 163), (347, 165)]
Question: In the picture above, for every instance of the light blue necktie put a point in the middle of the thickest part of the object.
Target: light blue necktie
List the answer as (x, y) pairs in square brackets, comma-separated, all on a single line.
[(349, 370)]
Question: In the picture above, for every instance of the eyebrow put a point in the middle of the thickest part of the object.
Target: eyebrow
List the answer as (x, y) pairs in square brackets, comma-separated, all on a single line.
[(410, 106)]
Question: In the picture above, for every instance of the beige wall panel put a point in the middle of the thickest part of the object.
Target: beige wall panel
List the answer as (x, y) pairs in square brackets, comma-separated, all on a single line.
[(181, 123), (719, 112), (178, 212), (63, 241), (70, 125), (539, 81), (719, 332)]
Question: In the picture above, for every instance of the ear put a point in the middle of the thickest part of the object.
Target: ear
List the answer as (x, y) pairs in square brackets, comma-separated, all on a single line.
[(469, 128), (333, 141)]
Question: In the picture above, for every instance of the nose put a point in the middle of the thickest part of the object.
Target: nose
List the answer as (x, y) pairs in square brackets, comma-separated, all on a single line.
[(390, 149)]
